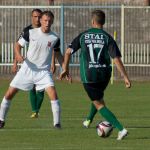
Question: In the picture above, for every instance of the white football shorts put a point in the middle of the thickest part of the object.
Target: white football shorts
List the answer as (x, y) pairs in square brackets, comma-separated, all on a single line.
[(26, 78)]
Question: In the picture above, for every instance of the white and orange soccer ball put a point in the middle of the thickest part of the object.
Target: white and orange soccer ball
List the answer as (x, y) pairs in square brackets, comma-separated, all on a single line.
[(104, 129)]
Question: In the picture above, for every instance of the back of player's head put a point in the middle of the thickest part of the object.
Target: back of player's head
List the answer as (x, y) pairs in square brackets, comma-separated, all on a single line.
[(48, 13), (36, 10), (99, 17)]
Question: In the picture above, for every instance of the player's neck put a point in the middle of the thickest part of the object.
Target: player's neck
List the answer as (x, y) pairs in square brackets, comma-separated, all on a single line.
[(98, 26), (45, 30), (35, 26)]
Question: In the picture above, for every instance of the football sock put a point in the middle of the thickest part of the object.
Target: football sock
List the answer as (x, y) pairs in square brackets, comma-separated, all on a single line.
[(110, 117), (92, 113), (39, 97), (55, 104), (33, 99), (5, 104)]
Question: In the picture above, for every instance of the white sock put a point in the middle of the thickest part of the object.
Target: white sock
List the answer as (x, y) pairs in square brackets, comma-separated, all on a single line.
[(55, 104), (4, 108)]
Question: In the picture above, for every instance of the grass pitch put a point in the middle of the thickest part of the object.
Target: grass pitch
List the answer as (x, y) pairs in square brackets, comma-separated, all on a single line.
[(131, 106)]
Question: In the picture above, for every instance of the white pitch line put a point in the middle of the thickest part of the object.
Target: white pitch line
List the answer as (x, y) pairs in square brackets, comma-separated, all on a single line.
[(26, 129)]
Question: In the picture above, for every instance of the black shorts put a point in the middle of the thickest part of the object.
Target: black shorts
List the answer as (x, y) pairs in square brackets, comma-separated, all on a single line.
[(95, 90)]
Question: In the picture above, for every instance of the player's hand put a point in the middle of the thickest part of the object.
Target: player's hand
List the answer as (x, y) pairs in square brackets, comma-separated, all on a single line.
[(69, 78), (19, 58), (14, 68), (127, 83), (53, 68), (63, 74)]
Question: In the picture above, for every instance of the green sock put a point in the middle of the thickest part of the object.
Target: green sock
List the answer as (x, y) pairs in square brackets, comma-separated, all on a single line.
[(110, 117), (32, 97), (40, 97), (92, 113)]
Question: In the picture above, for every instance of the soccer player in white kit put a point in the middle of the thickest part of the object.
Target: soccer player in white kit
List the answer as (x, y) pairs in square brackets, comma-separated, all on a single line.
[(35, 68)]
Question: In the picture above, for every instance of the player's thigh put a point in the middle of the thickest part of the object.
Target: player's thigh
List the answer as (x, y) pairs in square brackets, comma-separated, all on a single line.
[(23, 79), (51, 91), (43, 80), (95, 90)]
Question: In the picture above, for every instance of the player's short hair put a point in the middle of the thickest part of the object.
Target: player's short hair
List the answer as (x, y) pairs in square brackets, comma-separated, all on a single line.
[(48, 13), (36, 10), (98, 16)]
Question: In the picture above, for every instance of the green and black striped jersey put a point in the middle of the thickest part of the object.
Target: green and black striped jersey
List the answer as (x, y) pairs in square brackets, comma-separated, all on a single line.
[(97, 46)]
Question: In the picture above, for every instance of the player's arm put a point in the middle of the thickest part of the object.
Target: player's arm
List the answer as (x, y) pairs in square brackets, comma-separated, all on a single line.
[(116, 55), (72, 48), (14, 66), (57, 53), (53, 67), (22, 41), (65, 65), (122, 70), (18, 57), (59, 57)]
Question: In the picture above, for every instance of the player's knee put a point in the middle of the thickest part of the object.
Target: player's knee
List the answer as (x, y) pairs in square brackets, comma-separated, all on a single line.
[(10, 93)]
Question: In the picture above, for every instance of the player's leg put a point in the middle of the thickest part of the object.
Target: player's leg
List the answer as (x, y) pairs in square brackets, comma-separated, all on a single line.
[(91, 93), (33, 101), (90, 117), (110, 117), (55, 105), (47, 83), (20, 81), (36, 99), (5, 104), (96, 92), (107, 114), (40, 97)]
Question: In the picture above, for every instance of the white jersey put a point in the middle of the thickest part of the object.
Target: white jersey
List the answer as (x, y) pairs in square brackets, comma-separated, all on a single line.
[(40, 48)]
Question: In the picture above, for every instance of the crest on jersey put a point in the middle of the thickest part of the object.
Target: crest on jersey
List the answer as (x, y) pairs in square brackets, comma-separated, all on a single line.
[(49, 44)]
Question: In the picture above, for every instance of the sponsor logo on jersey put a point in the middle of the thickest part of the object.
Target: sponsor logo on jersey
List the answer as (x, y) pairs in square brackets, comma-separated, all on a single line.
[(49, 44)]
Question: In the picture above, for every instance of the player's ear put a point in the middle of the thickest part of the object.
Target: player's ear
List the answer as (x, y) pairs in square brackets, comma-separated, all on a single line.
[(92, 22)]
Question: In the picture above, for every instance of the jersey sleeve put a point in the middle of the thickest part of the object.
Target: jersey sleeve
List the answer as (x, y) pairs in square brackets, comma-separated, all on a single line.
[(57, 45), (24, 38), (113, 49), (75, 44)]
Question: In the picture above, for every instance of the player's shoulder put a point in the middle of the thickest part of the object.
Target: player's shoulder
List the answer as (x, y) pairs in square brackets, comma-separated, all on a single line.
[(106, 33), (27, 28), (34, 31), (54, 34)]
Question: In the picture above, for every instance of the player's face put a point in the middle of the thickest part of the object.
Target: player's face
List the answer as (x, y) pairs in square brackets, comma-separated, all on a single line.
[(46, 23), (36, 19)]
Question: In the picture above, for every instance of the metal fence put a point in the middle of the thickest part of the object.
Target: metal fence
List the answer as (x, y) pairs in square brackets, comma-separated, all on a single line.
[(131, 23)]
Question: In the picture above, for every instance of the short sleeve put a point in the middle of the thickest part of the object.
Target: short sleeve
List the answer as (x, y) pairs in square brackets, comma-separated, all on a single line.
[(113, 49), (24, 37), (75, 44), (57, 45)]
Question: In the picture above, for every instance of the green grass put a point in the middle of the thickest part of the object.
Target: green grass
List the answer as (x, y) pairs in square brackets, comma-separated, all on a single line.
[(131, 106)]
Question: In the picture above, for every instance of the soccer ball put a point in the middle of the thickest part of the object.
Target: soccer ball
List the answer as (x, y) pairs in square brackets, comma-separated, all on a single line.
[(104, 129)]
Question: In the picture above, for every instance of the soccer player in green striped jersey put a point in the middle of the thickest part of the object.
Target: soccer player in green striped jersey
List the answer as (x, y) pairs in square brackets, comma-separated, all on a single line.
[(97, 47)]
